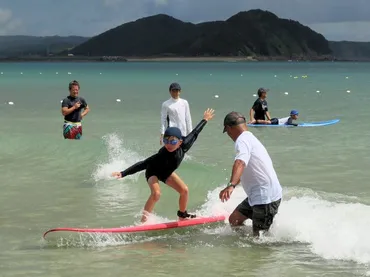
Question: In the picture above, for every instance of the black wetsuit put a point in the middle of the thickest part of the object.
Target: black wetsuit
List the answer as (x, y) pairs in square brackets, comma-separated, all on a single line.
[(163, 163), (260, 108)]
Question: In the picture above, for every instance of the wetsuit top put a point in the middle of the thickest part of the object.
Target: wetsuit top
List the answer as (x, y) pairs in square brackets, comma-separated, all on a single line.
[(260, 108), (287, 121), (69, 102), (163, 163)]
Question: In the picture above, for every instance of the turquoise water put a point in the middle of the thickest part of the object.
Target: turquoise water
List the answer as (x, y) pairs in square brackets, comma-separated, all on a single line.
[(47, 182)]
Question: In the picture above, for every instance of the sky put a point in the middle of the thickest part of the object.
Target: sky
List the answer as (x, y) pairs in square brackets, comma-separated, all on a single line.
[(335, 19)]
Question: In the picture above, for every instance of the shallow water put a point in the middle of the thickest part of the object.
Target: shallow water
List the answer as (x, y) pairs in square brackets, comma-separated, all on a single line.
[(48, 182)]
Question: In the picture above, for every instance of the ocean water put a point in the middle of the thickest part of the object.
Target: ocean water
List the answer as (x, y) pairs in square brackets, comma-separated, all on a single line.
[(322, 228)]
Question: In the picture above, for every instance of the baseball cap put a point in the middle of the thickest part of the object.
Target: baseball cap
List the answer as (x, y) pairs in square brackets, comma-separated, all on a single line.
[(173, 132), (294, 112), (175, 86), (233, 119)]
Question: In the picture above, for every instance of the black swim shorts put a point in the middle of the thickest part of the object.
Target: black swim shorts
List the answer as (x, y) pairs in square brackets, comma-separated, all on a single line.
[(274, 121), (262, 216), (162, 176)]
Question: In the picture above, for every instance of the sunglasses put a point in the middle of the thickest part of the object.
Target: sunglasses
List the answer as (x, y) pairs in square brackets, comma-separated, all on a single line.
[(172, 141)]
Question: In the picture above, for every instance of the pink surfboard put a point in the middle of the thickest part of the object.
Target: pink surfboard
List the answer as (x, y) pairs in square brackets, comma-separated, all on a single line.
[(143, 228)]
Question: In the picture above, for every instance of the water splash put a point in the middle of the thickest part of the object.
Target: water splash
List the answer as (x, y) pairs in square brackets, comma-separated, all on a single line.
[(335, 229), (119, 158)]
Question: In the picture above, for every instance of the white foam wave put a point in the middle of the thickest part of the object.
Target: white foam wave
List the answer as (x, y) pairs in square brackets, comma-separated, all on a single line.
[(97, 240), (116, 195), (119, 158), (335, 229), (333, 226)]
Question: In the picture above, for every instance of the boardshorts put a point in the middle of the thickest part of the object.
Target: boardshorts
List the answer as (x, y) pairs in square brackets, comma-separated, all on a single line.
[(262, 216), (72, 130)]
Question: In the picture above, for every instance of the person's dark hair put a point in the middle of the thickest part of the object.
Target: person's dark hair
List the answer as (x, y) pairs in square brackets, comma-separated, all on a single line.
[(73, 83)]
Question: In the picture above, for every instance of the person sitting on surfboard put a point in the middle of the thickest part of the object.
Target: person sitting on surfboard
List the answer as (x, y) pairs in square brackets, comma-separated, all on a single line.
[(259, 110), (280, 121), (161, 166)]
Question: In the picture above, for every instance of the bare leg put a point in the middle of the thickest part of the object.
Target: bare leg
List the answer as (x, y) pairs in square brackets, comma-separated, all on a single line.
[(236, 218), (175, 182), (153, 198), (260, 121)]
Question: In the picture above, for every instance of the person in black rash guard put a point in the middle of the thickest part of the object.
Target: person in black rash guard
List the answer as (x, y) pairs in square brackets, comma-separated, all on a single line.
[(259, 110), (161, 166), (280, 121)]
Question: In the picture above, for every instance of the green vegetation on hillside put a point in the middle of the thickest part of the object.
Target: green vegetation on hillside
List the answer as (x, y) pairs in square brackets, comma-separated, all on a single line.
[(251, 33), (41, 46), (349, 50), (255, 33)]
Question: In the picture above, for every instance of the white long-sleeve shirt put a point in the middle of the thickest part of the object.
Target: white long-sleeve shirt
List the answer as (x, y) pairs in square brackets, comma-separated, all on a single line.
[(176, 113)]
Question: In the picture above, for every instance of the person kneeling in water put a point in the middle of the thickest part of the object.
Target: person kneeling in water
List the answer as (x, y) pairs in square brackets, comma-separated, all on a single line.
[(161, 166), (280, 121)]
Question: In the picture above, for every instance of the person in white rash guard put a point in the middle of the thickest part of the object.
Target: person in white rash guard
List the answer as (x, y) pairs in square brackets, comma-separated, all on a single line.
[(175, 112)]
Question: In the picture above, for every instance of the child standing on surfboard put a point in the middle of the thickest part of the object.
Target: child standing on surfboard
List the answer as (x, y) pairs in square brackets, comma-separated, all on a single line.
[(161, 166)]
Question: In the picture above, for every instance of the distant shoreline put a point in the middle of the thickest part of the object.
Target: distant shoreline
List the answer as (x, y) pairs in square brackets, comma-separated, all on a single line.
[(191, 59), (119, 59)]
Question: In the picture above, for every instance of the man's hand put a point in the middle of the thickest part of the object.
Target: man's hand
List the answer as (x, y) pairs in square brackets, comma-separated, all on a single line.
[(226, 193), (77, 105), (85, 112)]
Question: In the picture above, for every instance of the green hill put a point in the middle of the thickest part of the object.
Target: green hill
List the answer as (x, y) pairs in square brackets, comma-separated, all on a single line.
[(251, 33), (254, 33), (350, 50), (32, 45)]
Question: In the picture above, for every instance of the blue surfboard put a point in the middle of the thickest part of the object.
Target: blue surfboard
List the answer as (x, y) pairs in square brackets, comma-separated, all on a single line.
[(303, 124)]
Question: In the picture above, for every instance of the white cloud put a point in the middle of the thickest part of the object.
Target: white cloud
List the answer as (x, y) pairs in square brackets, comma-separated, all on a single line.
[(5, 16), (161, 2), (8, 24), (134, 3), (112, 3)]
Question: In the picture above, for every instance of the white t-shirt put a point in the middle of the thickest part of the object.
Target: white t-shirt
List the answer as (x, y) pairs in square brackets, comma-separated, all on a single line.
[(283, 120), (176, 113), (259, 178)]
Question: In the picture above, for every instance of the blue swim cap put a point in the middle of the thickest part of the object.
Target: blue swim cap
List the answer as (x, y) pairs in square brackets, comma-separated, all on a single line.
[(294, 112)]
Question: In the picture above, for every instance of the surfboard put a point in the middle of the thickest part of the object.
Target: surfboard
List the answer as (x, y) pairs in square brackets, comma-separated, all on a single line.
[(303, 124), (141, 228)]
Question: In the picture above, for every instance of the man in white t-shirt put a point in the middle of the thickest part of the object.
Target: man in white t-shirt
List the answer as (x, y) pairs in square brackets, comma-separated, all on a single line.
[(176, 113), (252, 168)]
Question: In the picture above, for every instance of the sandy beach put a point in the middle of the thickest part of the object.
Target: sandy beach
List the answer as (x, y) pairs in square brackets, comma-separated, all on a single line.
[(161, 59)]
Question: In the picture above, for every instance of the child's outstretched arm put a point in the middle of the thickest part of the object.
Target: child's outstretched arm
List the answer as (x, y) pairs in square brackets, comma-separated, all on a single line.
[(192, 137), (139, 166)]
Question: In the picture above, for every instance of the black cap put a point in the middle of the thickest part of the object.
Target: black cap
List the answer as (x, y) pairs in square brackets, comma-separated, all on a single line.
[(175, 86), (173, 132), (233, 119)]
